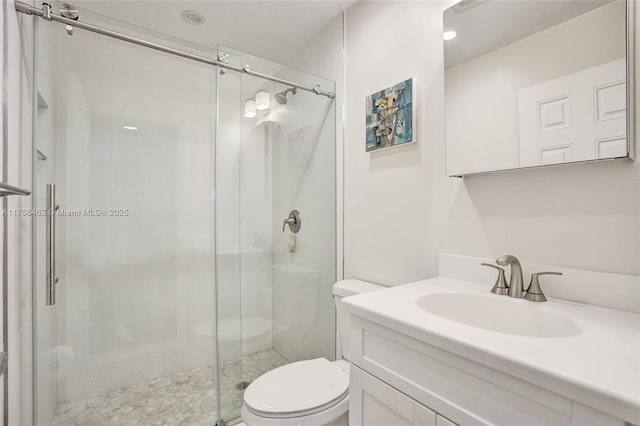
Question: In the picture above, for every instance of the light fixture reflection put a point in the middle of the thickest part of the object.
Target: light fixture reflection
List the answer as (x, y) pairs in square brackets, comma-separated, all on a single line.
[(250, 108), (263, 100), (130, 127), (449, 35)]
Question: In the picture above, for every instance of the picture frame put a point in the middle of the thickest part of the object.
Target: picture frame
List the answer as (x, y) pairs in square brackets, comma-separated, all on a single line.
[(391, 116)]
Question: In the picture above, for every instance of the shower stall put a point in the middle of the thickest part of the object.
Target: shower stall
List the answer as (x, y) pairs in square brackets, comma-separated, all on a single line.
[(170, 269)]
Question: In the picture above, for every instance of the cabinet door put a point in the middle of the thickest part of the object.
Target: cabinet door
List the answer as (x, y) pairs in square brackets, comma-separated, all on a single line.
[(374, 403)]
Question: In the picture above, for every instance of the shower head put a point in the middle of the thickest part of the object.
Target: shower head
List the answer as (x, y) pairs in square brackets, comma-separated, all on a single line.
[(281, 97)]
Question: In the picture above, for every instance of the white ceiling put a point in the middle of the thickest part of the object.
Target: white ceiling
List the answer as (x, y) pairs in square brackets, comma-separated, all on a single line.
[(488, 25), (271, 29)]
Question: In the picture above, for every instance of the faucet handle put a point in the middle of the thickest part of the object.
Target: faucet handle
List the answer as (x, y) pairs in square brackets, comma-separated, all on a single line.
[(534, 292), (294, 221), (288, 221), (500, 286)]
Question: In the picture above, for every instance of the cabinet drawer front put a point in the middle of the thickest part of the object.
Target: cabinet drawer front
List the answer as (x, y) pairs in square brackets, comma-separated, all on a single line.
[(446, 382), (375, 403)]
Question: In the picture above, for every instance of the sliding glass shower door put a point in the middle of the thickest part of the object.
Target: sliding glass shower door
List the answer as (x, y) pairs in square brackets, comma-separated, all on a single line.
[(185, 229), (275, 163), (125, 136)]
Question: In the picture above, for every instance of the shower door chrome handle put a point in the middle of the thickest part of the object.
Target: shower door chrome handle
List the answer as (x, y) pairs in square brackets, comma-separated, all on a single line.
[(52, 280)]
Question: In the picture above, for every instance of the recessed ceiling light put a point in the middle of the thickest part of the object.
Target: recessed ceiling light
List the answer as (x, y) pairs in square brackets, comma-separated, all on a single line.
[(449, 35), (192, 17), (130, 127)]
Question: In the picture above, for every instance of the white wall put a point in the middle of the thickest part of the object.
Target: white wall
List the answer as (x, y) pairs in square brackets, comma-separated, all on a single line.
[(482, 93), (401, 209), (394, 200)]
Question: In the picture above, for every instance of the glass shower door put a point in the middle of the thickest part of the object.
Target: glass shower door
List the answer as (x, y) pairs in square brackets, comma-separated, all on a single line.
[(276, 154), (125, 135)]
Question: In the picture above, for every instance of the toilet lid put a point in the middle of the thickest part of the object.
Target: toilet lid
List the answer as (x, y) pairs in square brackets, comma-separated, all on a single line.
[(297, 388)]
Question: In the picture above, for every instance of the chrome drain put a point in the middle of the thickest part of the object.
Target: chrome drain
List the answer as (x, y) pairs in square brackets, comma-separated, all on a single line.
[(243, 385)]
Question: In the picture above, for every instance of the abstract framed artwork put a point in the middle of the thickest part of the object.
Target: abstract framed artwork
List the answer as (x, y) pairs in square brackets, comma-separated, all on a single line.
[(390, 118)]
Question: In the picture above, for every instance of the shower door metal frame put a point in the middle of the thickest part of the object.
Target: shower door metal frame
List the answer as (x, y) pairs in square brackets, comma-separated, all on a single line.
[(46, 13)]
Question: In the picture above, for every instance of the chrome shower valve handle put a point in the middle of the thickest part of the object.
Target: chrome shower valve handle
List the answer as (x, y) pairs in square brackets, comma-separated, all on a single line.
[(294, 221)]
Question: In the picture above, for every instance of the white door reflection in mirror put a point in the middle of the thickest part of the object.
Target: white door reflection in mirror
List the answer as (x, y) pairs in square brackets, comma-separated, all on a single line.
[(577, 117)]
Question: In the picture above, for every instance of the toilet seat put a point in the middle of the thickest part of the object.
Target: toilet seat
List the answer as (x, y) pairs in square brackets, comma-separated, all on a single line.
[(298, 389), (338, 415)]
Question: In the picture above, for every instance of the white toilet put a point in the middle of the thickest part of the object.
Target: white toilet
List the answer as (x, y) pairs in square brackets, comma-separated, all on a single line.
[(306, 393)]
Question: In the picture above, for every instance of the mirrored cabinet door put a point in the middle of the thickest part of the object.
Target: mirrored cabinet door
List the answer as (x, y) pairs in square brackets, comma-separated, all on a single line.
[(536, 83)]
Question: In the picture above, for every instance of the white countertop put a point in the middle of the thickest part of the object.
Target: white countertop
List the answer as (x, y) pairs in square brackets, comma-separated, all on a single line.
[(599, 367)]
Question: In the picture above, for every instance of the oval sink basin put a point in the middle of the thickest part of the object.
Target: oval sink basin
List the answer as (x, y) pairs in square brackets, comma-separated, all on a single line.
[(502, 314)]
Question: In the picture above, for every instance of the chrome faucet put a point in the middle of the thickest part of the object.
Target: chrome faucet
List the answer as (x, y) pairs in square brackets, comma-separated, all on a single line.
[(515, 289), (515, 281)]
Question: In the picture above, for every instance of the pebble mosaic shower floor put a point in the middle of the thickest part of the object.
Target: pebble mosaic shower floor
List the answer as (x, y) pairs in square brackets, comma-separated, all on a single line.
[(185, 398)]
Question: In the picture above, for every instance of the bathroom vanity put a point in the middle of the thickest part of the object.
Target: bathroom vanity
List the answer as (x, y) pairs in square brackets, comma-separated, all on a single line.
[(444, 351)]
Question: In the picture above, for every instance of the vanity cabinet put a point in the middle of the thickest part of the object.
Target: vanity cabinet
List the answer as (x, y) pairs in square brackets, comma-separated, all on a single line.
[(374, 403), (397, 379)]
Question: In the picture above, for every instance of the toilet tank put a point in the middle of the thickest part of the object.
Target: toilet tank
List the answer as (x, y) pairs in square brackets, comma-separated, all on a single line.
[(343, 289)]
